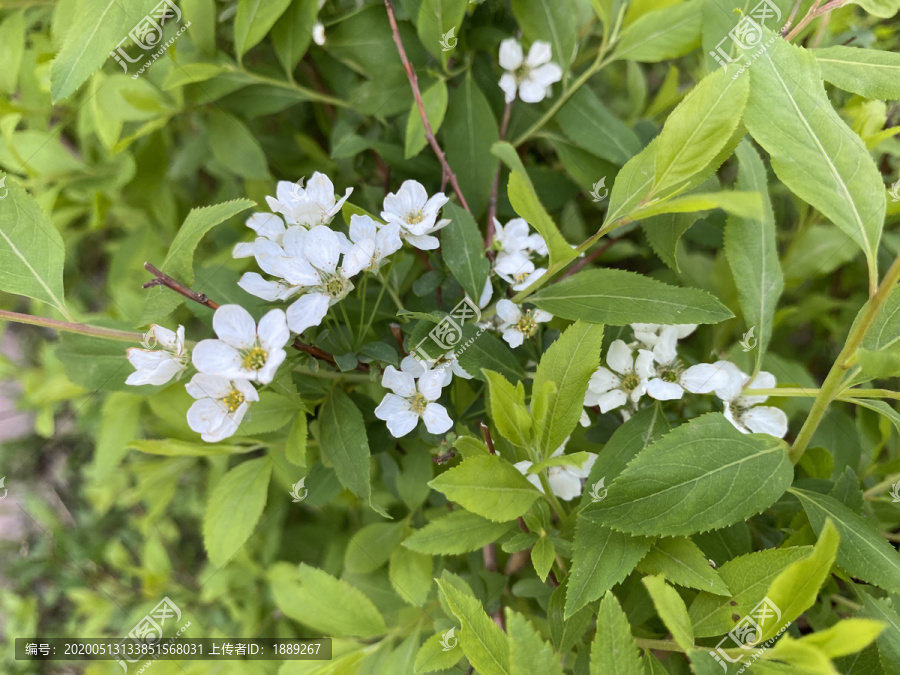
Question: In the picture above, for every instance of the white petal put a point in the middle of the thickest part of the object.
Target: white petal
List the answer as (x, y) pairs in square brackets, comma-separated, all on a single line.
[(254, 284), (399, 382), (395, 411), (766, 420), (268, 225), (735, 381), (514, 338), (602, 381), (665, 349), (643, 364), (508, 311), (208, 386), (704, 378), (545, 75), (540, 315), (247, 389), (664, 391), (423, 242), (486, 294), (685, 329), (541, 52), (215, 357), (436, 419), (619, 358), (509, 86), (152, 367), (612, 399), (244, 249), (320, 189), (729, 415), (511, 56), (763, 380), (362, 227), (531, 91), (234, 326), (308, 310), (322, 249), (205, 415), (431, 382), (563, 484), (585, 421), (273, 331)]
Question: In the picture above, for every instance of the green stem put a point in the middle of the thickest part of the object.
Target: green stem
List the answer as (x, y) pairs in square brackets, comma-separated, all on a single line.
[(80, 328), (310, 94), (662, 645), (391, 291), (876, 490), (812, 393), (831, 385), (334, 375), (362, 311), (349, 326), (374, 311)]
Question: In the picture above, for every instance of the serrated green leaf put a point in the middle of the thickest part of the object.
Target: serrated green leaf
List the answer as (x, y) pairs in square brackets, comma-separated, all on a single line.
[(463, 251), (662, 34), (664, 232), (435, 99), (745, 204), (371, 546), (591, 126), (272, 412), (695, 468), (619, 298), (682, 562), (234, 508), (344, 443), (488, 486), (235, 147), (411, 575), (482, 641), (253, 21), (528, 653), (889, 640), (871, 73), (863, 552), (456, 533), (507, 408), (614, 649), (432, 656), (671, 610)]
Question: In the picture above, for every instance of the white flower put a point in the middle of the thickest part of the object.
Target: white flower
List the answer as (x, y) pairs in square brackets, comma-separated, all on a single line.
[(668, 382), (369, 246), (314, 205), (220, 406), (243, 350), (565, 481), (531, 76), (318, 33), (158, 366), (411, 400), (517, 325), (268, 226), (416, 214), (518, 270), (447, 365), (649, 333), (608, 389), (743, 411)]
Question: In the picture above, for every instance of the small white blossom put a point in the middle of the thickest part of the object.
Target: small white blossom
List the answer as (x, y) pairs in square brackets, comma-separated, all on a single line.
[(743, 411), (517, 325), (565, 481), (318, 33), (412, 400), (447, 365), (369, 246), (220, 406), (649, 333), (517, 270), (267, 226), (158, 366), (666, 383), (416, 215), (531, 76), (313, 205), (243, 350), (627, 381)]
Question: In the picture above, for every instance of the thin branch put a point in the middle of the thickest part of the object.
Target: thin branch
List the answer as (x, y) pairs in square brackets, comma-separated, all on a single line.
[(487, 438), (69, 327), (588, 259), (814, 12), (495, 188), (417, 94), (163, 279)]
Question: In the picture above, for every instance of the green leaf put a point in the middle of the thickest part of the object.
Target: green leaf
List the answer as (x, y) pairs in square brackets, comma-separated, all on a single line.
[(682, 562), (591, 126), (234, 146), (234, 508), (94, 363), (601, 558), (845, 637), (202, 17), (12, 49), (436, 19), (487, 352), (328, 605), (699, 127), (253, 21), (371, 547), (488, 486), (552, 21), (432, 656), (272, 412), (456, 533), (664, 232), (411, 575), (745, 204), (470, 130), (882, 408), (889, 640), (344, 443), (568, 364), (171, 447), (482, 641), (662, 34), (684, 482), (614, 649), (863, 552), (671, 610), (292, 33), (179, 262), (435, 99), (879, 364), (295, 443), (525, 201), (119, 423), (618, 298), (507, 408), (463, 251), (748, 577), (881, 8), (528, 653), (543, 553), (752, 253), (813, 151), (871, 73), (32, 252)]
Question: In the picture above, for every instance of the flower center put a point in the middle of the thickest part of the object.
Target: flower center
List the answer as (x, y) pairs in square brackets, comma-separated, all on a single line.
[(254, 358), (520, 277), (418, 403), (233, 400), (415, 218), (630, 381), (527, 325), (336, 287)]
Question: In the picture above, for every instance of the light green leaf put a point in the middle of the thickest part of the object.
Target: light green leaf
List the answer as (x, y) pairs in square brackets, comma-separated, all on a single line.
[(371, 546), (813, 151), (97, 364), (752, 253), (171, 447), (543, 553), (863, 552), (292, 33), (411, 575), (552, 21), (344, 443), (435, 100), (179, 262), (880, 8), (601, 558), (488, 486), (614, 649), (662, 34), (463, 251), (871, 73), (618, 298), (202, 16), (436, 19), (697, 130), (528, 653), (119, 423), (889, 640), (507, 408), (482, 641), (432, 656), (235, 147), (234, 508), (272, 412), (328, 605), (684, 482), (253, 21), (682, 562), (525, 201), (591, 126), (568, 364), (745, 204), (295, 443), (664, 233), (470, 130), (881, 407), (845, 637), (879, 364), (671, 610), (456, 533), (32, 252), (12, 49)]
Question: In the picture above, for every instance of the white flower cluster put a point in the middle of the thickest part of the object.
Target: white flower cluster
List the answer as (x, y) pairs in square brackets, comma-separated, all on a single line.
[(650, 366), (565, 481), (529, 76)]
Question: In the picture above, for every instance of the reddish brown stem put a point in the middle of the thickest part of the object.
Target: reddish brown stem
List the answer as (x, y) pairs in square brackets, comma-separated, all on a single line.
[(487, 438), (163, 279), (588, 259)]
